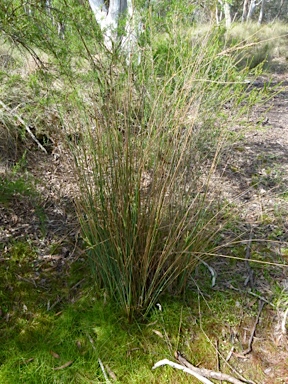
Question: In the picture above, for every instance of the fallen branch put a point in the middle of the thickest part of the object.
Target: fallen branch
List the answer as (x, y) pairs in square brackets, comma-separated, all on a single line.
[(184, 369), (19, 118), (207, 372)]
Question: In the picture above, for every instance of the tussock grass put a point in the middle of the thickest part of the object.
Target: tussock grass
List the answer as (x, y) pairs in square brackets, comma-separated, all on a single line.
[(145, 163)]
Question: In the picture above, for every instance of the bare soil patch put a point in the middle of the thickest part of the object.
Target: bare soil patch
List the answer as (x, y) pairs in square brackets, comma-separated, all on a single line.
[(254, 177)]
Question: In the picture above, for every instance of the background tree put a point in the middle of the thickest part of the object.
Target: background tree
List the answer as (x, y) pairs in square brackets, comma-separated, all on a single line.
[(117, 23)]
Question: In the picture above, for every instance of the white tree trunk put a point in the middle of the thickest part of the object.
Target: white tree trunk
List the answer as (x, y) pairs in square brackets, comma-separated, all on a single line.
[(227, 13), (245, 11), (261, 14), (251, 9), (108, 22), (216, 15)]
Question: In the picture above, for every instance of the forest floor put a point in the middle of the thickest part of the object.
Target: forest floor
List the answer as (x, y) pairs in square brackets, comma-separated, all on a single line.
[(255, 178)]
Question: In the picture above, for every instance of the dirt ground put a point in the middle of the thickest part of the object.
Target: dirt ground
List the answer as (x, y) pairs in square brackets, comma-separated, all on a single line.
[(254, 177)]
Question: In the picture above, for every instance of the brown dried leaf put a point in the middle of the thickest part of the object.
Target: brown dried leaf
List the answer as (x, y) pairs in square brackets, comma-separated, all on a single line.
[(64, 365), (14, 219), (54, 354), (110, 372), (158, 333), (28, 360)]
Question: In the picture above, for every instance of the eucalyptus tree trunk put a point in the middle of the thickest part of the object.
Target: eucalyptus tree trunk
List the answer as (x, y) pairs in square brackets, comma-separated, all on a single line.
[(217, 16), (225, 6), (108, 21), (261, 14), (279, 10), (251, 9), (227, 13), (244, 11)]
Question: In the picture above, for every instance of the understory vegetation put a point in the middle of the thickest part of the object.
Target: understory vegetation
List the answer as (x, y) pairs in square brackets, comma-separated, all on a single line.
[(139, 146)]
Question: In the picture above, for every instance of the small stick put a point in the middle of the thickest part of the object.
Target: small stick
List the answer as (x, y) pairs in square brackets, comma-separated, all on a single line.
[(217, 355), (212, 271), (207, 372), (249, 348), (218, 363), (19, 118)]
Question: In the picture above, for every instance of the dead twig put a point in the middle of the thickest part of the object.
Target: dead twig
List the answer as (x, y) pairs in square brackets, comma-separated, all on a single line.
[(19, 118), (218, 362), (230, 354), (207, 372), (110, 372), (230, 286), (250, 277), (31, 281), (249, 348)]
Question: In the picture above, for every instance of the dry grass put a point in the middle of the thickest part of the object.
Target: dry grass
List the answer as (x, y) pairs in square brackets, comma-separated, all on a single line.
[(264, 43)]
